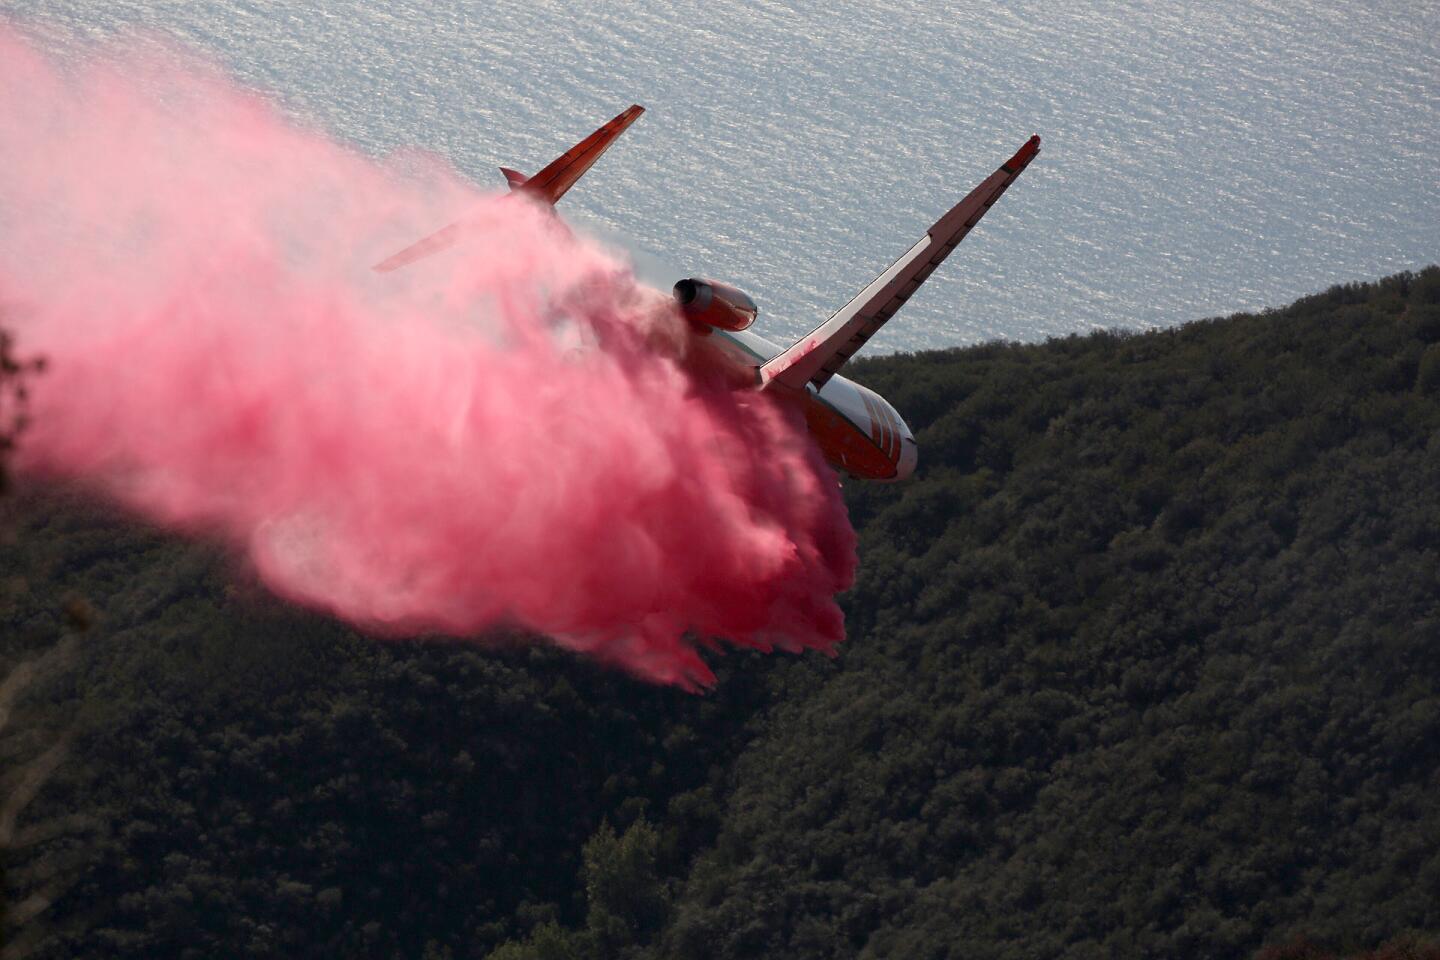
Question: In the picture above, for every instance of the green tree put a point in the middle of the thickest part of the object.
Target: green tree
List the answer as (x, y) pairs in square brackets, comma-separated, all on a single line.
[(625, 894), (548, 941), (1427, 380)]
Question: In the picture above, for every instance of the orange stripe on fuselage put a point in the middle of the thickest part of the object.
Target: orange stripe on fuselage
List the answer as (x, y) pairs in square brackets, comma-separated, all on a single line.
[(877, 426), (845, 444), (893, 450)]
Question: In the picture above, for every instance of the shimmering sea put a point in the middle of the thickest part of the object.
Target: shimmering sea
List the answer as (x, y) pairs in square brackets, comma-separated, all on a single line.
[(1198, 159)]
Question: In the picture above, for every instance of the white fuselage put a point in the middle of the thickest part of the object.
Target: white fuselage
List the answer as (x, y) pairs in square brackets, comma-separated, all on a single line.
[(858, 430)]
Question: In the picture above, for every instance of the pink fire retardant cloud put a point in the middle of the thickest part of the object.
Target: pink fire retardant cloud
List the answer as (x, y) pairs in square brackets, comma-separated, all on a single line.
[(509, 434)]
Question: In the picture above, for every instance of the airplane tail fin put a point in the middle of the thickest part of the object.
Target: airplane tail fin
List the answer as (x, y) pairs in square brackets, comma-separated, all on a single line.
[(561, 174), (548, 186), (816, 357)]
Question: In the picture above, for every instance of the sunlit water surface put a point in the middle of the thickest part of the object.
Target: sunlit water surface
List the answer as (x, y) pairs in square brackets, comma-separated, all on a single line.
[(1197, 160)]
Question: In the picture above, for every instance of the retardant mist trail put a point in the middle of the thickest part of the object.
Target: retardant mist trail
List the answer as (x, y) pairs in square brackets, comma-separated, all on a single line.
[(505, 435)]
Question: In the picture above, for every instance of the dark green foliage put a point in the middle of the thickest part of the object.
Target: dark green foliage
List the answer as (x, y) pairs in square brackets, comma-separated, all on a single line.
[(549, 941), (1428, 380), (1404, 948), (13, 373), (625, 899), (1144, 661), (270, 784), (625, 896)]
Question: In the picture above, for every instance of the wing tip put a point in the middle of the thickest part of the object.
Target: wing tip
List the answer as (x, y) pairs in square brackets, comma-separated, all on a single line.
[(1023, 156), (391, 263), (629, 115)]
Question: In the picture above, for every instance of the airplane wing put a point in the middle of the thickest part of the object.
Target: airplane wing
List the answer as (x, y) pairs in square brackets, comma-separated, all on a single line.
[(816, 357), (549, 185)]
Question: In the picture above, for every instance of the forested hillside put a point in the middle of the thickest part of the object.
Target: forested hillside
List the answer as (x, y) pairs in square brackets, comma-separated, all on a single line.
[(1145, 661)]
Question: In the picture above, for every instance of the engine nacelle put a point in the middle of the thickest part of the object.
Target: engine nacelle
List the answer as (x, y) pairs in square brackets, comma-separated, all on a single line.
[(707, 303)]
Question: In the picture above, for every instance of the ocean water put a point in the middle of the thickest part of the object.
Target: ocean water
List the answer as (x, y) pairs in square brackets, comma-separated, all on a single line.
[(1197, 159)]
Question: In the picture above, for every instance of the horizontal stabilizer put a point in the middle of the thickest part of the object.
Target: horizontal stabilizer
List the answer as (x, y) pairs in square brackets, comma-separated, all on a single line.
[(816, 358), (515, 178), (437, 241)]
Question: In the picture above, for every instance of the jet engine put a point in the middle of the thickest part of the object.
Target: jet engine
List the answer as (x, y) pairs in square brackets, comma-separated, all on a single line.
[(707, 303)]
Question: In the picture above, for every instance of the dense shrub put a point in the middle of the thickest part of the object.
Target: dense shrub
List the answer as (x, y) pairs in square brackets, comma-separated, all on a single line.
[(1143, 662)]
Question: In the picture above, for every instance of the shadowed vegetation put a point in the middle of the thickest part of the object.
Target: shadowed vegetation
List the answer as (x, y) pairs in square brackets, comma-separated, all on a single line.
[(14, 371), (1143, 662)]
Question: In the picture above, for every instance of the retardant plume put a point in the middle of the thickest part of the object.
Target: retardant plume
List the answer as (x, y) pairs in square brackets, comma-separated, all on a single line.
[(505, 435)]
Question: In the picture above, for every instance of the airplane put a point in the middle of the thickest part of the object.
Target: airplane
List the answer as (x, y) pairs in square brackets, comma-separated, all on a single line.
[(859, 432)]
